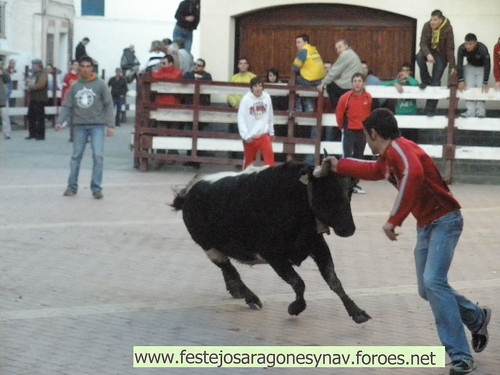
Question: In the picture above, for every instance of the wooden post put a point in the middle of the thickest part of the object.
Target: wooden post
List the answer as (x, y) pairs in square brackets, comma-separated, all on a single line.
[(449, 147)]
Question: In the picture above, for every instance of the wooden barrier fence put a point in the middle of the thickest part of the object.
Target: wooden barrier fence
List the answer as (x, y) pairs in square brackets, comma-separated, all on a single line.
[(183, 128)]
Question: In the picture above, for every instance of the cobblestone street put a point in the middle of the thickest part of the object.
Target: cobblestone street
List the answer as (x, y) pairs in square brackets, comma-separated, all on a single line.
[(83, 281)]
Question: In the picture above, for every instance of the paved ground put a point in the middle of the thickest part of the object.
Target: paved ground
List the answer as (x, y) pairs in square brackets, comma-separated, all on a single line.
[(83, 281)]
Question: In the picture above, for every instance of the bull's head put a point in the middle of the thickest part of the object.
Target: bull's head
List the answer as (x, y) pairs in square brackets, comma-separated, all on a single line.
[(330, 199)]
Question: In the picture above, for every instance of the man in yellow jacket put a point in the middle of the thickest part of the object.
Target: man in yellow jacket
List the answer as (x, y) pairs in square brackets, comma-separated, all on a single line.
[(308, 65)]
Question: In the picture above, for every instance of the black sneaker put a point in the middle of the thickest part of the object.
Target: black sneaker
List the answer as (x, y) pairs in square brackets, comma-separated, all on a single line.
[(480, 338), (97, 194), (69, 192), (462, 366)]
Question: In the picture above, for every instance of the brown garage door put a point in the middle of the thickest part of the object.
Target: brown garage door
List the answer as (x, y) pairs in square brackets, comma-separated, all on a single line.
[(267, 37)]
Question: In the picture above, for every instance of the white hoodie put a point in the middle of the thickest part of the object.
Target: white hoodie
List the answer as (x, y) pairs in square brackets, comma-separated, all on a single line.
[(255, 116)]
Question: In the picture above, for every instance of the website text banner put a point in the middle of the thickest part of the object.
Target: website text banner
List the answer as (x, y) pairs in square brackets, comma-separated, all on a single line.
[(289, 356)]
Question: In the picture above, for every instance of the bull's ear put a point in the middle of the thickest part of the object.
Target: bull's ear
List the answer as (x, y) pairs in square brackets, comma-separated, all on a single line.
[(322, 170), (304, 179)]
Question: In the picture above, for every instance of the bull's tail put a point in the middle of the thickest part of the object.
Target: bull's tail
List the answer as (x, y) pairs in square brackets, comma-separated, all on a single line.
[(180, 195), (179, 199)]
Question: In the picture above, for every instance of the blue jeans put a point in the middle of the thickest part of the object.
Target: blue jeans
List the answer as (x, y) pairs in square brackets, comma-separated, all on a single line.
[(437, 72), (353, 143), (80, 135), (182, 33), (434, 250), (118, 102)]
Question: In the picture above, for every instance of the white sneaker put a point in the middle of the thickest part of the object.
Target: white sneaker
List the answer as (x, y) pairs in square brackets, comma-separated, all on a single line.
[(357, 190)]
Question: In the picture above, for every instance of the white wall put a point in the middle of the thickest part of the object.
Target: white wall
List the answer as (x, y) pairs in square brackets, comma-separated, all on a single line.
[(217, 20), (127, 22)]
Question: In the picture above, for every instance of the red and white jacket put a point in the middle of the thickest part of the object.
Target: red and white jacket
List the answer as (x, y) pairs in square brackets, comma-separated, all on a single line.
[(421, 189)]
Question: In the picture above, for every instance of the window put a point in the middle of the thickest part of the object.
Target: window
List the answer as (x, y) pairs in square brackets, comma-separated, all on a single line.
[(92, 7), (2, 19)]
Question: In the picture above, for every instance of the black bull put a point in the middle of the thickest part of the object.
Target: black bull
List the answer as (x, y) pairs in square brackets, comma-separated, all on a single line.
[(272, 215)]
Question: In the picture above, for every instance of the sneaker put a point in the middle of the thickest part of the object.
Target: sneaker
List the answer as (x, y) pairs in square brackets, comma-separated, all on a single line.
[(466, 114), (69, 192), (423, 85), (462, 366), (358, 190), (480, 338), (97, 194)]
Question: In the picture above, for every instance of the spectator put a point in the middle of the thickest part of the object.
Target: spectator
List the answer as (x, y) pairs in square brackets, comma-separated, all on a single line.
[(370, 77), (372, 80), (308, 65), (338, 79), (167, 71), (423, 192), (243, 76), (118, 85), (186, 60), (475, 74), (54, 84), (89, 106), (198, 72), (129, 63), (188, 18), (496, 64), (68, 80), (280, 103), (155, 56), (404, 78), (171, 48), (11, 69), (36, 86), (437, 46), (256, 124), (81, 50), (353, 108), (4, 103)]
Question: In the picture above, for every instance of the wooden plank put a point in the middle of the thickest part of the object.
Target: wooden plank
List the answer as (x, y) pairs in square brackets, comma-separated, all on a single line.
[(477, 153), (409, 92), (478, 124)]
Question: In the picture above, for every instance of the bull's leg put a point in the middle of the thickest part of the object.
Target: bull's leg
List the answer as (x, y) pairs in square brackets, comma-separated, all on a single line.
[(323, 259), (285, 270), (234, 285)]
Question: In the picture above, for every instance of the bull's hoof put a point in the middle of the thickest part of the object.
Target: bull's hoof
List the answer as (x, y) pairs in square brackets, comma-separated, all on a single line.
[(296, 307), (255, 306), (361, 317), (254, 303)]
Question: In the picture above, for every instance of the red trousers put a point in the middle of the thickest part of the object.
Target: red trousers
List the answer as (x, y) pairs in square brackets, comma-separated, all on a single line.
[(262, 144)]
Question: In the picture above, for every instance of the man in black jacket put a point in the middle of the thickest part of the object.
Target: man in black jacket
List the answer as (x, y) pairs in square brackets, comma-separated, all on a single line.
[(188, 17), (475, 74)]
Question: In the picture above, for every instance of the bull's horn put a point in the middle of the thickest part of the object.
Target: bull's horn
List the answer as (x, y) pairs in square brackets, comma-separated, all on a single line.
[(325, 153), (321, 170)]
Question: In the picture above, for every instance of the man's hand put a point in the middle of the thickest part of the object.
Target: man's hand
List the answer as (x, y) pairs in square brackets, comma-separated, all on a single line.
[(333, 163), (320, 87), (430, 58), (389, 231), (110, 132), (497, 86), (485, 88), (57, 127), (461, 86)]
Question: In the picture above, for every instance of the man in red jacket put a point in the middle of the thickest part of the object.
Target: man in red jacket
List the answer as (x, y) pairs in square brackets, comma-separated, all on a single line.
[(423, 192), (168, 71), (352, 109)]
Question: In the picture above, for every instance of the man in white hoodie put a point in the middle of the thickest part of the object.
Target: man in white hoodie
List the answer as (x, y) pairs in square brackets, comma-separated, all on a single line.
[(256, 124)]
